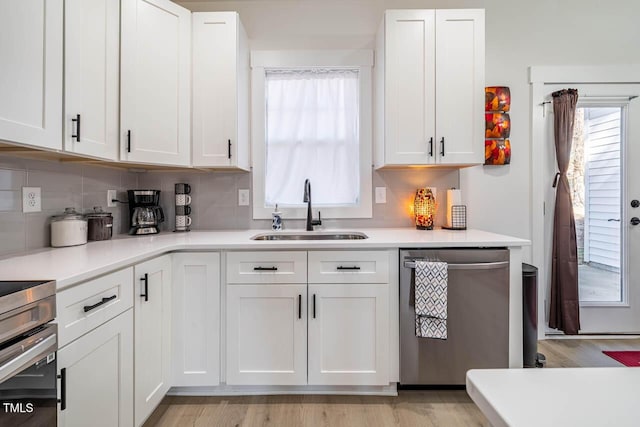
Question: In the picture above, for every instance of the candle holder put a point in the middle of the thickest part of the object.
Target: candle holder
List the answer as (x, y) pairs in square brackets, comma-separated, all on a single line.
[(424, 208)]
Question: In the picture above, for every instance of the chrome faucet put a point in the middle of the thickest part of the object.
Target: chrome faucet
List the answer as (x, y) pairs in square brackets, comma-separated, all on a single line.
[(307, 199)]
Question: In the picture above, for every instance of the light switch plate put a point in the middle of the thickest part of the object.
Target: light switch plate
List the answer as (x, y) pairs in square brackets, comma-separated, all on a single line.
[(31, 199), (111, 196), (381, 194), (243, 197)]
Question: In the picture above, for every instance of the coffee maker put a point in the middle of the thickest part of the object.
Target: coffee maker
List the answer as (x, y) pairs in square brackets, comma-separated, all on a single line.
[(144, 211)]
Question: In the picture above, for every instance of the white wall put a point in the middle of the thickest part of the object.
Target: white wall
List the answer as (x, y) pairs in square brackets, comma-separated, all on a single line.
[(519, 34), (544, 32)]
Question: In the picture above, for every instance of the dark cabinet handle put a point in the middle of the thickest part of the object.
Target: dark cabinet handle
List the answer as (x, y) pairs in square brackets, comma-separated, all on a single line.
[(229, 149), (299, 306), (98, 304), (265, 268), (145, 279), (128, 141), (63, 389), (442, 147), (342, 267), (314, 306), (431, 147), (77, 121)]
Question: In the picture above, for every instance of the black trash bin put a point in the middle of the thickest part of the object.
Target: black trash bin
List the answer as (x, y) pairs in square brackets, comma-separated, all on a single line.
[(531, 357)]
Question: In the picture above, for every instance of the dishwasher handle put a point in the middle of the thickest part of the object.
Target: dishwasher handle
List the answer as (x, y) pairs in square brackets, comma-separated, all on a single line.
[(469, 266)]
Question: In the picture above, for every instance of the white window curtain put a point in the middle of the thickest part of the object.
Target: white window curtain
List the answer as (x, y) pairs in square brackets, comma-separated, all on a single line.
[(312, 132)]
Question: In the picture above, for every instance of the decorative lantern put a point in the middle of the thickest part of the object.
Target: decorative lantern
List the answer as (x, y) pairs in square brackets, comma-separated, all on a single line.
[(424, 208)]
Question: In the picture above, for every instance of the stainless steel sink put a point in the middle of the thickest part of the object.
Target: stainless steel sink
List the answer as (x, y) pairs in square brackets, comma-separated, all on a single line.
[(311, 235)]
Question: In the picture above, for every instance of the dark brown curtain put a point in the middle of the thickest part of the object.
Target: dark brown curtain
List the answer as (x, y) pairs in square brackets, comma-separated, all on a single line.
[(565, 308)]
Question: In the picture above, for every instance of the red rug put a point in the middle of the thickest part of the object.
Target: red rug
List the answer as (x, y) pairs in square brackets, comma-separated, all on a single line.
[(627, 358)]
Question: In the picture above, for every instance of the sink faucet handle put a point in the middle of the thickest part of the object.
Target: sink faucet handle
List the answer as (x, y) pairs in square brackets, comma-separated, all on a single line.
[(317, 221)]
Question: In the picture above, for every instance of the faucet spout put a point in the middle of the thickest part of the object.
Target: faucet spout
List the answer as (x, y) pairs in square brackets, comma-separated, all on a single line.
[(307, 199)]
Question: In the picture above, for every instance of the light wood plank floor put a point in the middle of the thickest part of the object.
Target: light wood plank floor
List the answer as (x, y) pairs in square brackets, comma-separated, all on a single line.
[(447, 408)]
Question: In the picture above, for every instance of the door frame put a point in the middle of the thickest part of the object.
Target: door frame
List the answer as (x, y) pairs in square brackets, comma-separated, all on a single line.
[(539, 76)]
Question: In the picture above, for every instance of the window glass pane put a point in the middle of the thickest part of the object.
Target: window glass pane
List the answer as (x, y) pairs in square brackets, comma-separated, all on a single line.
[(312, 133)]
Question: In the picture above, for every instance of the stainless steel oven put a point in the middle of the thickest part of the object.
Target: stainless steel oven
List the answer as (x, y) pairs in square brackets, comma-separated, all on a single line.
[(28, 342)]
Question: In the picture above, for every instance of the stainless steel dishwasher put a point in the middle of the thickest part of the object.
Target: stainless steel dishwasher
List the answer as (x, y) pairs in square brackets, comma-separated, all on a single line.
[(477, 317)]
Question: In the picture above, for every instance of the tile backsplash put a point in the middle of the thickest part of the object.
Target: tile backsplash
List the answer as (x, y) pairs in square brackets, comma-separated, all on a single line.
[(63, 185), (215, 198), (214, 206)]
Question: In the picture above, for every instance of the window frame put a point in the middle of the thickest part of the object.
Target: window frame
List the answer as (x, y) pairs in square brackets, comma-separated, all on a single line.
[(361, 60)]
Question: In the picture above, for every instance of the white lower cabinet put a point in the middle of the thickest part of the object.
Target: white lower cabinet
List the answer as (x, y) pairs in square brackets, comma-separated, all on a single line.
[(348, 334), (266, 334), (97, 371), (152, 334), (196, 319)]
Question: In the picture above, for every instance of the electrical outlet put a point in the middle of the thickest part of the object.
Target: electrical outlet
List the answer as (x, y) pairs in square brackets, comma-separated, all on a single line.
[(381, 194), (31, 199), (111, 196), (243, 197)]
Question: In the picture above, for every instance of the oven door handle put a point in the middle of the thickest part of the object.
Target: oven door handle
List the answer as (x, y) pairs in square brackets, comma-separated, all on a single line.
[(41, 347), (469, 266)]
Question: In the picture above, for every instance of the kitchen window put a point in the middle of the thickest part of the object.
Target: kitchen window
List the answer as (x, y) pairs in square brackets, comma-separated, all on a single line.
[(312, 120)]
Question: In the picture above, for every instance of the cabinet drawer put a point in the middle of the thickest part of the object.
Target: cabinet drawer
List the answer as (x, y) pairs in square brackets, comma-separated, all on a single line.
[(90, 304), (348, 267), (267, 267)]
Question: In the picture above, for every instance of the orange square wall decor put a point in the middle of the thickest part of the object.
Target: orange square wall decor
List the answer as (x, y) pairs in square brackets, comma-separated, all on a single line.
[(497, 152), (497, 125), (497, 98)]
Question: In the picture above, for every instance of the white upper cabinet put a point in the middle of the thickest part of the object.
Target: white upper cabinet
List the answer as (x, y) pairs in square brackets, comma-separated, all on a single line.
[(460, 86), (430, 88), (406, 57), (31, 37), (220, 91), (92, 72), (155, 82)]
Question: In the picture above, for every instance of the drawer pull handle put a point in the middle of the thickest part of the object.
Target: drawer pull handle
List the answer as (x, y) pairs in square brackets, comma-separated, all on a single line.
[(145, 279), (98, 304), (299, 306), (265, 268), (314, 306), (342, 267)]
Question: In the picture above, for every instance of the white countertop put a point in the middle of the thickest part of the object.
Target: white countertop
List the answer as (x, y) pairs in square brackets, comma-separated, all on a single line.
[(562, 397), (75, 264)]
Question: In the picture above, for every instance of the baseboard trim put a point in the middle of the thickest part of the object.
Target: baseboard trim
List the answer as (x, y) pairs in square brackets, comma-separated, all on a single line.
[(230, 390), (561, 336)]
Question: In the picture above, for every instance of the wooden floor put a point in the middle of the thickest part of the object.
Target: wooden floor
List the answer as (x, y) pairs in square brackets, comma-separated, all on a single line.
[(447, 408)]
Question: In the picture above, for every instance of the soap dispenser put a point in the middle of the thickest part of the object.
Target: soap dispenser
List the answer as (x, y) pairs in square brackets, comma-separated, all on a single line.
[(276, 220)]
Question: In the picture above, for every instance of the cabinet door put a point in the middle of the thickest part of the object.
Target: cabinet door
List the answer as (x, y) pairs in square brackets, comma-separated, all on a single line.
[(155, 80), (152, 310), (92, 72), (196, 319), (349, 334), (409, 87), (266, 334), (460, 86), (220, 91), (98, 375), (31, 72)]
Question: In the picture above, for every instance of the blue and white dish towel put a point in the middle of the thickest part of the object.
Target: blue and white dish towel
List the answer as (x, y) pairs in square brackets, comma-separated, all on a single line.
[(431, 279)]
